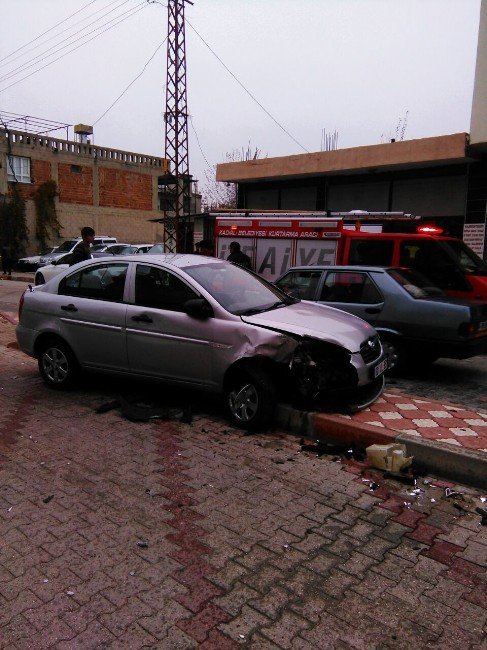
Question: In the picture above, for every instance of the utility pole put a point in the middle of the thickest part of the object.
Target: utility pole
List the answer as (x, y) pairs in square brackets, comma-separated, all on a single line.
[(177, 180)]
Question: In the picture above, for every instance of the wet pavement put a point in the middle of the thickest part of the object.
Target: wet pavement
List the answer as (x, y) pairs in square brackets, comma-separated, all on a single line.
[(117, 534)]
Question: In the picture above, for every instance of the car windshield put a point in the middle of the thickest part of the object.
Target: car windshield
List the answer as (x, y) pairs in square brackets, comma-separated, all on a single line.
[(470, 263), (99, 247), (416, 284), (117, 249), (66, 246), (237, 290), (156, 249)]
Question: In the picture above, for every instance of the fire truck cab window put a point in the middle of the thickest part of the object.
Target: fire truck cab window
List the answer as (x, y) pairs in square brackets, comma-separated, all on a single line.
[(373, 252), (429, 258)]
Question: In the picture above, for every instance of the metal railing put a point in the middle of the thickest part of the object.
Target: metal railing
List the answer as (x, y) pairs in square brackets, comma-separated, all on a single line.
[(80, 149)]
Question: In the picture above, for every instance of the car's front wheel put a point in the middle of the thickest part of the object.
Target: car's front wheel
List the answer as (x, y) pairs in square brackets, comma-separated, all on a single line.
[(251, 399), (57, 365), (395, 355)]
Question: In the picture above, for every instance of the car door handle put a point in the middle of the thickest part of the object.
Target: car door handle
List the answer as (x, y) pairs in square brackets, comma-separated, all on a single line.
[(372, 310), (142, 318), (69, 307)]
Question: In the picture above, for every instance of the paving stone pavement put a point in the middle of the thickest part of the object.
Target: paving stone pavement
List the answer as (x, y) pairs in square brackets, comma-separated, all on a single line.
[(427, 418), (116, 534)]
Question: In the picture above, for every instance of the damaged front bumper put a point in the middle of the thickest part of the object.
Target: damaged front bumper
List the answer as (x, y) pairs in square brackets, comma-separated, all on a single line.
[(329, 376)]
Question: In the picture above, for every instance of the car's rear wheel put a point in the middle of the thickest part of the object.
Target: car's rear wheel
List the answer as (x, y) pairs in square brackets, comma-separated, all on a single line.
[(251, 399), (39, 279), (57, 365)]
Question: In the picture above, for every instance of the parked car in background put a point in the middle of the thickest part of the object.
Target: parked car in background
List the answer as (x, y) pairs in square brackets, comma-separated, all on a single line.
[(199, 322), (417, 321), (101, 250), (32, 263), (128, 249), (122, 249), (45, 273), (68, 246), (157, 249), (143, 248)]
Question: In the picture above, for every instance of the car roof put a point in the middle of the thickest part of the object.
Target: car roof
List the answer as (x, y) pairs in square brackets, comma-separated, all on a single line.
[(341, 267), (179, 260)]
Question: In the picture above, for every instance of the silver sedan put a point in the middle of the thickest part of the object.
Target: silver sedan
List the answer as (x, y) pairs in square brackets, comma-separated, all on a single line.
[(203, 323)]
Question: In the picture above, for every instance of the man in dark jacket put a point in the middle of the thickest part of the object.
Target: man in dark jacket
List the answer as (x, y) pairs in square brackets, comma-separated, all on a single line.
[(7, 259), (204, 247), (82, 251), (237, 257)]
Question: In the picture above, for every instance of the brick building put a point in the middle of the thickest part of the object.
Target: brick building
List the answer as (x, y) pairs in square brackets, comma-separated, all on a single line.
[(118, 193)]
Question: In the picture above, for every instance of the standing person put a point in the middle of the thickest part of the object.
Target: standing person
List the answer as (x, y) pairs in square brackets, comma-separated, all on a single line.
[(82, 251), (7, 259), (237, 257)]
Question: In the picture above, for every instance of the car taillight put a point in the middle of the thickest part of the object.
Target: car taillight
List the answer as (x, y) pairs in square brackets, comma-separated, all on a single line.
[(21, 303), (468, 329)]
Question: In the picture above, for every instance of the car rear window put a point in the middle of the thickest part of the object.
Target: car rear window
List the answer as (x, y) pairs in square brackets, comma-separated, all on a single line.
[(416, 284), (350, 287)]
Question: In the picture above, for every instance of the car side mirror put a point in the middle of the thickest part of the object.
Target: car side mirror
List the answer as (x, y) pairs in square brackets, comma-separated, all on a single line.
[(198, 308)]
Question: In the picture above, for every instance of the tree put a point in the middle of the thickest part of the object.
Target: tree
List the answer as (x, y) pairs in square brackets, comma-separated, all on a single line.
[(13, 222), (224, 195), (47, 224), (399, 133)]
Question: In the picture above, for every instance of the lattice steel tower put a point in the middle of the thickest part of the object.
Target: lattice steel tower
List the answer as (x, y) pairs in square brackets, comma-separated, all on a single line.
[(178, 181)]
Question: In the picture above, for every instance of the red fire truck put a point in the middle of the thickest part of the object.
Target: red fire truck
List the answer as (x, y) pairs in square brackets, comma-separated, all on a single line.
[(277, 240)]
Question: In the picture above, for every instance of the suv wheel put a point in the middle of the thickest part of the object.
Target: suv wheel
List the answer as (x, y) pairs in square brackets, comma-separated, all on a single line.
[(251, 399), (57, 365)]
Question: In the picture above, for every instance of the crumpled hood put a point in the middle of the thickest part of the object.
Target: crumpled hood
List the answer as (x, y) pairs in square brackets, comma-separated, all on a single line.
[(316, 321)]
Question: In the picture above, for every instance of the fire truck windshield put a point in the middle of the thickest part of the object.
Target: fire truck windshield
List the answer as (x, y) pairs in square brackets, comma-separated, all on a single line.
[(469, 262)]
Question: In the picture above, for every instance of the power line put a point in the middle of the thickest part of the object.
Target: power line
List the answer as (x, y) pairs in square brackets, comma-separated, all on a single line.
[(62, 32), (212, 169), (137, 9), (247, 91), (25, 66), (132, 82), (47, 31), (239, 82)]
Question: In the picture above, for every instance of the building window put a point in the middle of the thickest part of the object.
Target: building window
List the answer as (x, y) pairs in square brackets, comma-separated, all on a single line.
[(18, 169)]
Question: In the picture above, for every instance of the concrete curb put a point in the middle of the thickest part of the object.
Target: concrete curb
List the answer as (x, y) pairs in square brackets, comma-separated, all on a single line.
[(457, 463), (18, 278)]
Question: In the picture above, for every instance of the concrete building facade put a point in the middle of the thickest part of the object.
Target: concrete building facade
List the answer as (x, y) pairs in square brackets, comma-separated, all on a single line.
[(443, 178), (115, 192)]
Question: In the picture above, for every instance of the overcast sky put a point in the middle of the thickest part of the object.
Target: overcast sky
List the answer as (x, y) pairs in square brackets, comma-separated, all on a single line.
[(354, 66)]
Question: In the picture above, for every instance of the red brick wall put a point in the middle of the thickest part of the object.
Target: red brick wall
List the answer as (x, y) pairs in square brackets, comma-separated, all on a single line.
[(124, 189), (75, 186), (40, 172)]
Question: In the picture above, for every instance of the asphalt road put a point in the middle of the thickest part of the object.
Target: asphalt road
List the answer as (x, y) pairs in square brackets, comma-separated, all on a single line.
[(458, 382)]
